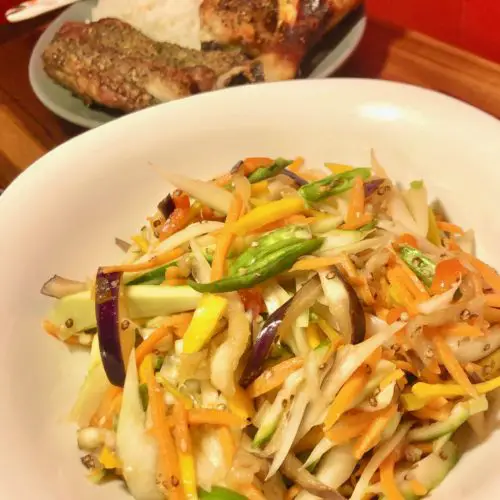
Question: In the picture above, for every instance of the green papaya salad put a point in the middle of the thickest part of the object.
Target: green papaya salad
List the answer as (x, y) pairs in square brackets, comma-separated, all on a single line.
[(283, 332)]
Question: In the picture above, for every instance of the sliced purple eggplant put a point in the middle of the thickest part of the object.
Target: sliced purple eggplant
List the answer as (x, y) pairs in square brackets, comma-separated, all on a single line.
[(296, 178), (116, 335), (356, 312), (294, 470), (344, 305), (280, 320), (122, 244), (263, 345), (166, 206), (372, 186)]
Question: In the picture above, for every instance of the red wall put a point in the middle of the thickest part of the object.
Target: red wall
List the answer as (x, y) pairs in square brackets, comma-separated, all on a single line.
[(471, 24)]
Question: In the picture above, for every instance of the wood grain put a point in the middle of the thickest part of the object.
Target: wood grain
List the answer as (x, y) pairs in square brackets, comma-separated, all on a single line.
[(28, 129)]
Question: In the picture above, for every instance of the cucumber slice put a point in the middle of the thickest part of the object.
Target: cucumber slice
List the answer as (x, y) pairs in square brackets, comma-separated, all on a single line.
[(143, 301), (272, 418), (430, 471), (459, 415)]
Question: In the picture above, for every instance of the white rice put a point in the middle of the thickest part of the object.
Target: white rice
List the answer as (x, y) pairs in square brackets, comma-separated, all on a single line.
[(175, 21)]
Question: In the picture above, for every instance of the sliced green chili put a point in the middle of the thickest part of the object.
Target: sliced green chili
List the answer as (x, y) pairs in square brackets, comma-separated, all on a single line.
[(420, 264), (332, 185), (268, 266), (263, 173)]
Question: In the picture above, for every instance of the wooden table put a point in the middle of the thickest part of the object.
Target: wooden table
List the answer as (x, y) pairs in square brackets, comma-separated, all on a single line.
[(28, 130)]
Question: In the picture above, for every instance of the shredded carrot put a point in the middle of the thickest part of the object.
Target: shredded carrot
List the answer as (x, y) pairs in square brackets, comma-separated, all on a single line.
[(54, 331), (108, 408), (253, 493), (487, 272), (173, 272), (407, 367), (168, 460), (175, 282), (347, 394), (356, 206), (430, 414), (394, 314), (424, 447), (388, 480), (225, 239), (341, 433), (184, 447), (407, 239), (314, 263), (412, 283), (253, 163), (310, 440), (224, 179), (418, 488), (227, 443), (398, 282), (437, 403), (199, 416), (172, 323), (461, 330), (374, 431), (449, 227), (155, 261), (361, 221), (454, 368), (273, 377), (293, 492), (492, 299), (491, 315)]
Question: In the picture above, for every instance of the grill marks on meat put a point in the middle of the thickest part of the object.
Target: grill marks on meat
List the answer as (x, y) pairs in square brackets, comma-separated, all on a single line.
[(279, 32), (113, 64)]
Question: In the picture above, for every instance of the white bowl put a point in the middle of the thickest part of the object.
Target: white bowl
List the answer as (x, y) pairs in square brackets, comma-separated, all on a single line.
[(63, 213)]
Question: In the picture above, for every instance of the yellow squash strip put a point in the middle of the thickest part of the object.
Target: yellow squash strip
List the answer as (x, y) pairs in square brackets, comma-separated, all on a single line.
[(310, 440), (373, 434), (271, 212), (388, 480), (392, 377), (259, 188), (273, 377), (329, 331), (338, 168), (433, 234), (182, 398), (296, 165), (428, 391), (454, 368), (168, 461), (313, 335), (204, 323), (185, 450), (225, 238), (315, 263), (108, 459), (347, 395), (141, 242), (241, 404)]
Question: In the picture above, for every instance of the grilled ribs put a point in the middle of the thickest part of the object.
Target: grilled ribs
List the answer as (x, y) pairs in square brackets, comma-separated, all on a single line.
[(278, 32), (112, 64)]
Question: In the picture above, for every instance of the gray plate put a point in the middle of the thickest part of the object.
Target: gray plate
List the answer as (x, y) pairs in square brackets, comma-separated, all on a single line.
[(324, 61)]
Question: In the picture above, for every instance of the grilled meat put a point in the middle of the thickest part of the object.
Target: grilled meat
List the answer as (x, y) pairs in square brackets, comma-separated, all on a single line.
[(279, 32), (113, 64)]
